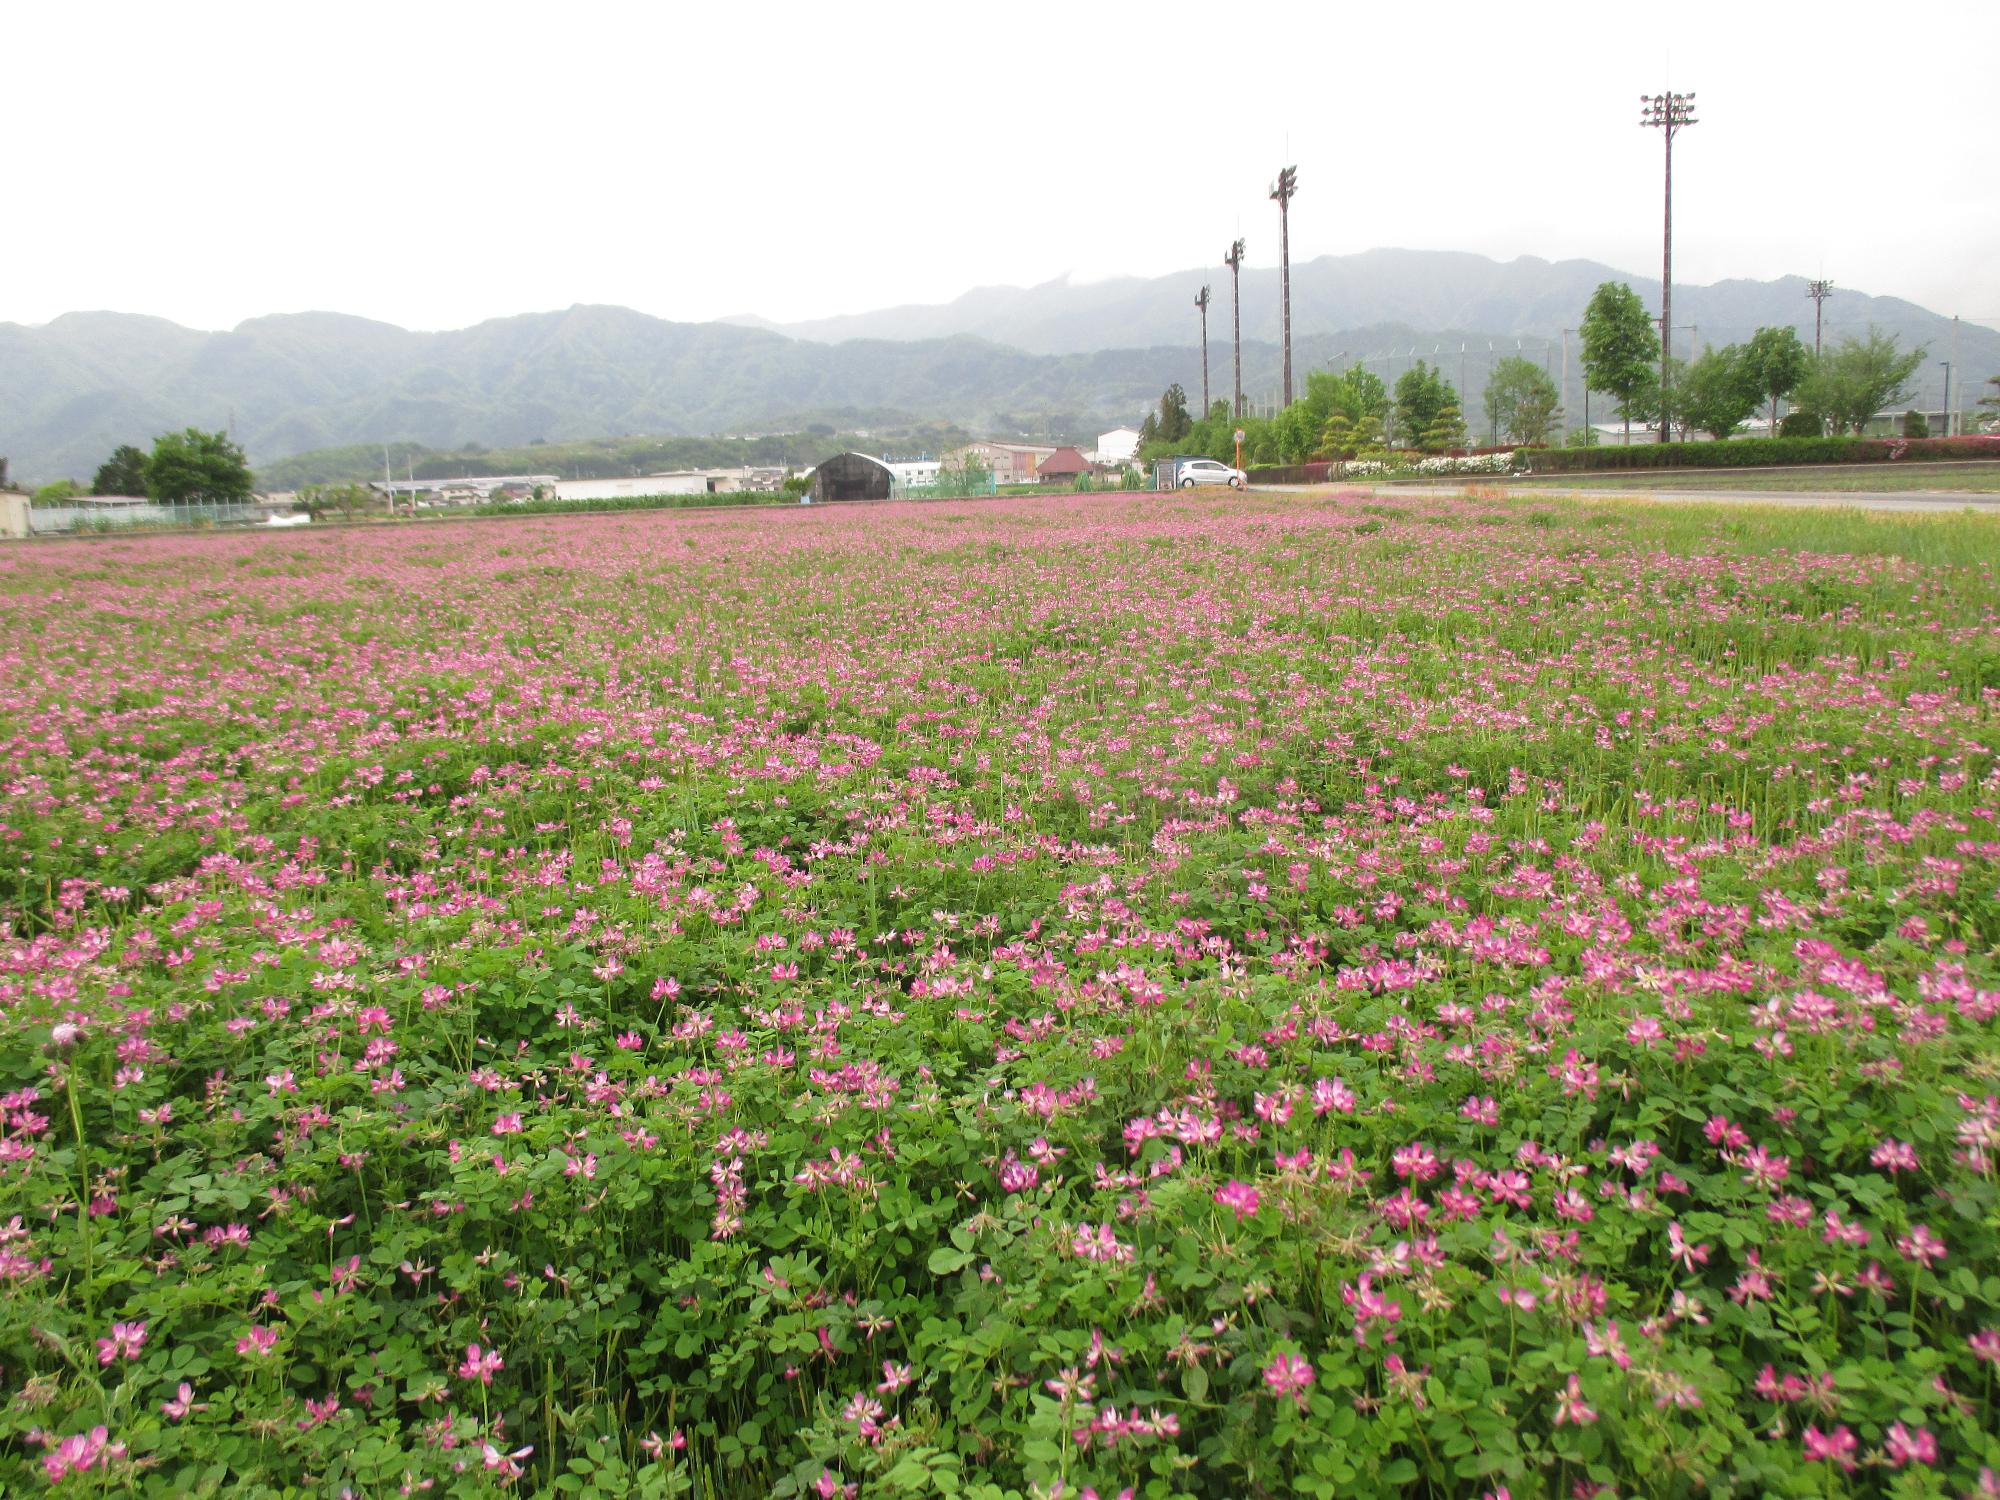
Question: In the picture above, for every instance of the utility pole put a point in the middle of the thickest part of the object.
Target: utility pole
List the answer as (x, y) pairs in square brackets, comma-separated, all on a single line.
[(1288, 184), (1563, 403), (1201, 301), (1669, 113), (1951, 421), (1944, 415), (1234, 260), (1819, 291)]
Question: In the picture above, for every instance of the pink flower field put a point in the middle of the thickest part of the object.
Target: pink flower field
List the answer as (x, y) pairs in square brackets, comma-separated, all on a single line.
[(1121, 996)]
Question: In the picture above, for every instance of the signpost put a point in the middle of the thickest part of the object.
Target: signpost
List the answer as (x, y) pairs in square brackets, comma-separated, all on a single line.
[(1239, 447)]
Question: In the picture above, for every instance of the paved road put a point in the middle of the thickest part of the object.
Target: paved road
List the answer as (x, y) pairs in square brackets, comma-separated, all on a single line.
[(1932, 500)]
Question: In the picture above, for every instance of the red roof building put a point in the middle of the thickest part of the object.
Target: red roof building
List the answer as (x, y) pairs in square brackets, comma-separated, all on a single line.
[(1062, 465)]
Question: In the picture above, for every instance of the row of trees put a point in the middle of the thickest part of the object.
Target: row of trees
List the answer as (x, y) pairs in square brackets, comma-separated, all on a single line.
[(190, 467), (1838, 390), (1349, 413)]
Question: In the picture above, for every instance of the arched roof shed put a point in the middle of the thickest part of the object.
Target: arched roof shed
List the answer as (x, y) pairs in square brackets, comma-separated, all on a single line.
[(851, 476)]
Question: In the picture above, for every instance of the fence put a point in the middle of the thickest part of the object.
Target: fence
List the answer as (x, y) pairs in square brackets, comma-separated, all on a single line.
[(55, 520), (951, 484)]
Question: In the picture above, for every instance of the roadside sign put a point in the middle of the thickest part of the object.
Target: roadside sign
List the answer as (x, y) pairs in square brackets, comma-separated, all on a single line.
[(1239, 435)]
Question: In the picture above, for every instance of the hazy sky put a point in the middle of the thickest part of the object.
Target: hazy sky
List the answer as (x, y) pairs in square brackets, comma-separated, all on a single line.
[(435, 164)]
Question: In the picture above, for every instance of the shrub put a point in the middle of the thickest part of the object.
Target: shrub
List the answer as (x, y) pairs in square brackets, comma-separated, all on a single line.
[(1757, 452)]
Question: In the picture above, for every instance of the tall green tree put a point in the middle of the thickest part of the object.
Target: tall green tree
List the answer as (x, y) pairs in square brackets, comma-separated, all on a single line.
[(1718, 391), (124, 473), (1620, 348), (1446, 430), (1174, 419), (1421, 393), (1992, 400), (1521, 401), (1778, 361), (1296, 432), (1857, 378), (1343, 437), (196, 467), (1354, 393)]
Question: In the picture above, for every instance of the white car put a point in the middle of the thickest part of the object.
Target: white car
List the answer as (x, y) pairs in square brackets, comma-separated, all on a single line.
[(1207, 471)]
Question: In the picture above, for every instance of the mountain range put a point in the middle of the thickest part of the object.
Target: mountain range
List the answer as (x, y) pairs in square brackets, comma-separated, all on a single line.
[(1436, 292), (1058, 359)]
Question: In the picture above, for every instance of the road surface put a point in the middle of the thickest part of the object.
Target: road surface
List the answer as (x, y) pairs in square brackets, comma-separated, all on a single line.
[(1932, 500)]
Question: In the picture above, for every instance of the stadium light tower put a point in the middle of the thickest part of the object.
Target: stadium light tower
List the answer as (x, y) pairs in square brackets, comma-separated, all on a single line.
[(1287, 186), (1201, 301), (1819, 291), (1668, 113), (1234, 260)]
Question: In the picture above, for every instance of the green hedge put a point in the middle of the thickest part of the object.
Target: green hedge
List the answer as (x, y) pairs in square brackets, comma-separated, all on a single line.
[(1754, 452)]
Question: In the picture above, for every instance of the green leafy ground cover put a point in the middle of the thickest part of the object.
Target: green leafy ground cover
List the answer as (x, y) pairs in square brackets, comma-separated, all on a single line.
[(1226, 996)]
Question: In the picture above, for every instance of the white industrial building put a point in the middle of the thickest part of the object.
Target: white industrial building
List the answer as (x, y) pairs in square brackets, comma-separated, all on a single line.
[(913, 471), (632, 487), (1118, 446)]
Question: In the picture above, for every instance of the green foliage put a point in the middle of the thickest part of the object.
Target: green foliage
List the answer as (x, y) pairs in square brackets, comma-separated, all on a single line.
[(62, 492), (1856, 379), (124, 473), (1421, 394), (1174, 421), (1718, 391), (1521, 401), (1317, 999), (338, 502), (1755, 452), (1295, 433), (1446, 430), (1346, 437), (1355, 393), (1620, 348), (193, 467), (1801, 424), (970, 475), (1916, 425), (1777, 361)]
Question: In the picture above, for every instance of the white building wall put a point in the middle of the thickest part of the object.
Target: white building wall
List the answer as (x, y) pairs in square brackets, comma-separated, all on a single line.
[(631, 488), (924, 471), (1117, 446)]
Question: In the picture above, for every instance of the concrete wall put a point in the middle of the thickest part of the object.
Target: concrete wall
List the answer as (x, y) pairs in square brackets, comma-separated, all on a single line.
[(13, 514)]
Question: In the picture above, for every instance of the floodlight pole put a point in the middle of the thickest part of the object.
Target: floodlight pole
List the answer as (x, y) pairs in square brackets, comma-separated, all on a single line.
[(1819, 291), (1669, 113), (1564, 402), (1287, 185), (1201, 301), (1234, 260)]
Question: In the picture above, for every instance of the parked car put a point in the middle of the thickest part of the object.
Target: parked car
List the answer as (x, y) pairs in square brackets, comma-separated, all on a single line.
[(1207, 471)]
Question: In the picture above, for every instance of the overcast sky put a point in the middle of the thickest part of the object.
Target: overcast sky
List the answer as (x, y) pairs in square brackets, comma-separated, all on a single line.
[(434, 164)]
